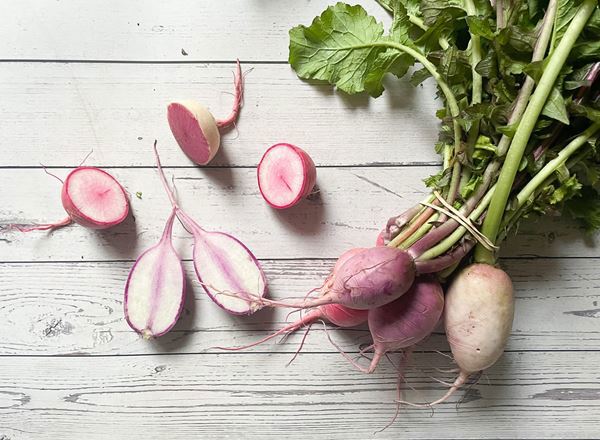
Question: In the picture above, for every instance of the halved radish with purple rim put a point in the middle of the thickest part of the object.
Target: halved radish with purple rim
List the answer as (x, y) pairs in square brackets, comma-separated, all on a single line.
[(92, 198), (155, 289), (286, 174), (195, 128)]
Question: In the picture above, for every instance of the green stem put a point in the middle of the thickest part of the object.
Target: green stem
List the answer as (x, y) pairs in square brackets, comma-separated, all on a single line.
[(453, 238), (425, 227), (515, 153), (555, 164)]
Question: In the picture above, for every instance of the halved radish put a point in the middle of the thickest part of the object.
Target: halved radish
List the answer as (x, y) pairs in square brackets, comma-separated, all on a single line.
[(195, 128), (286, 174), (92, 198)]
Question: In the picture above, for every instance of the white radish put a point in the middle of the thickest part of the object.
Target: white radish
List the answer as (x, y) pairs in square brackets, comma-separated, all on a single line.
[(478, 316), (155, 289), (286, 174), (92, 198), (227, 270), (195, 128)]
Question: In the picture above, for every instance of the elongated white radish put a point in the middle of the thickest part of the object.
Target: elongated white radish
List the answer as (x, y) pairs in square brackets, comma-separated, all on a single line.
[(195, 128), (92, 198), (155, 289), (286, 174), (227, 270)]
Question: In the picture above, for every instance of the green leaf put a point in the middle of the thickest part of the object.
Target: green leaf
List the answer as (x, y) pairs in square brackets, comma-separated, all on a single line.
[(433, 9), (567, 190), (586, 209), (419, 76), (401, 24), (585, 51), (439, 180), (588, 112), (555, 107), (387, 5), (579, 78), (565, 11), (481, 27), (470, 187), (344, 46)]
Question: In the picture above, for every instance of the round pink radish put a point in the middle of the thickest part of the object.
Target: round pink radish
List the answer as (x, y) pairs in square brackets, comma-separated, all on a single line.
[(94, 199), (407, 320), (195, 128), (286, 174)]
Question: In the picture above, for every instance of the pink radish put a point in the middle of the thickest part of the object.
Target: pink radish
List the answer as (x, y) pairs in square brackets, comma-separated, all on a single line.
[(229, 273), (286, 174), (334, 313), (406, 321), (478, 318), (155, 289), (370, 278), (92, 198), (195, 128)]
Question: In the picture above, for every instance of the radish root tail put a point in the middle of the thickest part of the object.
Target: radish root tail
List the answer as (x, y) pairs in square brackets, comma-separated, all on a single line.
[(238, 83)]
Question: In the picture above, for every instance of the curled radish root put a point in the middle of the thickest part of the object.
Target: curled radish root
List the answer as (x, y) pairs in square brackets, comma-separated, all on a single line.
[(196, 130)]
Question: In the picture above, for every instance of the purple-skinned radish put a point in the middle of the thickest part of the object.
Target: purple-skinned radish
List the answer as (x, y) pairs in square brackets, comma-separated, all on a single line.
[(227, 270), (155, 289), (408, 320), (336, 314), (196, 130)]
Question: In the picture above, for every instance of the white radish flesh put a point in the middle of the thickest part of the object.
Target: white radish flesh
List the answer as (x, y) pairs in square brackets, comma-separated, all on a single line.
[(92, 198), (155, 289), (195, 128), (286, 174), (227, 270)]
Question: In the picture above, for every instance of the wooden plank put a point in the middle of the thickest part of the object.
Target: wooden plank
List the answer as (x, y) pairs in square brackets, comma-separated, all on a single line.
[(67, 308), (320, 395), (154, 29), (118, 109), (353, 204)]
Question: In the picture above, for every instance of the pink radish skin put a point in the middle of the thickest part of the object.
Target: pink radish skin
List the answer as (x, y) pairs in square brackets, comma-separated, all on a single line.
[(195, 128), (92, 198), (371, 278), (478, 319), (229, 273), (380, 241), (334, 313), (408, 320), (286, 174), (155, 289)]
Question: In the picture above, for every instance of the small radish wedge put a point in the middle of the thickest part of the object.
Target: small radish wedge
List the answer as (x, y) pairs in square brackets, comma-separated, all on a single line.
[(229, 273), (155, 289), (286, 174), (92, 198), (195, 128)]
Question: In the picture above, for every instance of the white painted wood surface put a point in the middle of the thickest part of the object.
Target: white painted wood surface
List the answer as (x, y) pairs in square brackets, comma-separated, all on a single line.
[(75, 78)]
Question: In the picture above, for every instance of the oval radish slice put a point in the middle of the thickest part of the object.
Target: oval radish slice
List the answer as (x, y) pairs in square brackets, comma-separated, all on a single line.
[(228, 271), (94, 199), (286, 174), (155, 289)]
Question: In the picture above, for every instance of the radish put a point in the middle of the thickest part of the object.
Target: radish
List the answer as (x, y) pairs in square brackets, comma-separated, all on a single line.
[(334, 313), (229, 273), (286, 174), (478, 319), (406, 321), (370, 278), (92, 198), (195, 128), (155, 289)]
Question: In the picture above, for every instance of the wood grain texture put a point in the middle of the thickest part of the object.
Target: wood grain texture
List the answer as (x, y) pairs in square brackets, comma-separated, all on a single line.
[(118, 109), (351, 207), (76, 309), (319, 396), (142, 30)]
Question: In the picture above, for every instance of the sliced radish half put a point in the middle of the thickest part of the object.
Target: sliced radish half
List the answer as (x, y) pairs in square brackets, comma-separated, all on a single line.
[(94, 199), (286, 174)]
